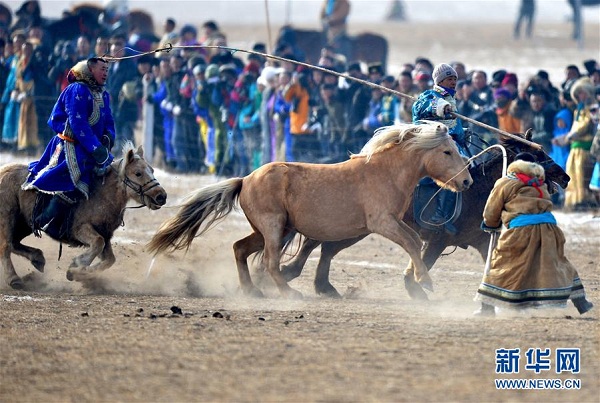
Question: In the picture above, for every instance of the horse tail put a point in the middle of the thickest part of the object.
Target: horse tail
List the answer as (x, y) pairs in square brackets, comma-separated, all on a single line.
[(200, 211)]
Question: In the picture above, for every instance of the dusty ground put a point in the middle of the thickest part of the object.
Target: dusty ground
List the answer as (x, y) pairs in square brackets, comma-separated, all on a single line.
[(117, 340)]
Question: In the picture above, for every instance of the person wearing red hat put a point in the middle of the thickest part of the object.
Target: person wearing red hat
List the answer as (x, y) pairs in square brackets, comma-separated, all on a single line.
[(506, 119), (511, 83)]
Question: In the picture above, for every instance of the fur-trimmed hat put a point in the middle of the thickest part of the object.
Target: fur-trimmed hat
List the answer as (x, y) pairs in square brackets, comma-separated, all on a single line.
[(582, 84), (443, 71), (528, 168)]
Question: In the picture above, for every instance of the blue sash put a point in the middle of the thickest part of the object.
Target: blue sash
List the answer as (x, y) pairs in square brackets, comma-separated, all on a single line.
[(532, 219)]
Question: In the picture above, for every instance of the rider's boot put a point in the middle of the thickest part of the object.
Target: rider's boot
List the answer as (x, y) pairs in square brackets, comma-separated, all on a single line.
[(446, 200), (52, 219)]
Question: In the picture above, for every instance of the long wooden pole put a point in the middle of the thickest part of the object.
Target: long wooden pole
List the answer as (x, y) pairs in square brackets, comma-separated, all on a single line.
[(269, 38), (335, 73)]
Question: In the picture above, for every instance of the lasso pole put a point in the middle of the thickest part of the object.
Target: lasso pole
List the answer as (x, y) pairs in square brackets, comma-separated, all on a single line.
[(327, 71), (270, 40)]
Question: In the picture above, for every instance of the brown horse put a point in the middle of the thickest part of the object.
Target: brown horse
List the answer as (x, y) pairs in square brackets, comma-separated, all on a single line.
[(468, 234), (90, 19), (93, 222), (366, 47), (368, 193)]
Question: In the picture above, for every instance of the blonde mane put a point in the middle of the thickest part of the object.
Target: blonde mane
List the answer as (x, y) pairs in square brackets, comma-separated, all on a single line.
[(127, 146), (425, 135)]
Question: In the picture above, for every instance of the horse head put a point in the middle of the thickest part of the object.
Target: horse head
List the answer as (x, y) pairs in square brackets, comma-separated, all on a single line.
[(442, 160), (555, 175), (138, 176), (428, 147)]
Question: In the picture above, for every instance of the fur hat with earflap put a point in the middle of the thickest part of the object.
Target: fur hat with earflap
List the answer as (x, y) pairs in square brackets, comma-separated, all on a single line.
[(443, 71), (528, 172)]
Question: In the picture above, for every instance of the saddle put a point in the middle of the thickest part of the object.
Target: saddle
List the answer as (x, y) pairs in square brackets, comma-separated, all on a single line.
[(425, 207)]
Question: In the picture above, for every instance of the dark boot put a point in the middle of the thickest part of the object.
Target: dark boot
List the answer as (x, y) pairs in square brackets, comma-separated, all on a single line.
[(446, 200), (485, 310), (53, 218), (582, 305)]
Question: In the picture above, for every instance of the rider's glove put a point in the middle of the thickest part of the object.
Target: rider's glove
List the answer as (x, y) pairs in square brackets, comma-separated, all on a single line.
[(101, 155)]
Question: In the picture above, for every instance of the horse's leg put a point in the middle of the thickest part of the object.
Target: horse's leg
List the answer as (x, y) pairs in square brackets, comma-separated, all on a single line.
[(272, 247), (328, 251), (12, 279), (294, 268), (430, 255), (107, 259), (34, 255), (86, 234), (7, 225), (242, 249), (400, 233)]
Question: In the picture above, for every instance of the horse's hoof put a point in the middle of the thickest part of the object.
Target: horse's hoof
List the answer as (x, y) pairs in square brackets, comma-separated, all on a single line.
[(328, 291), (17, 284), (293, 294), (254, 293), (414, 289), (427, 284), (39, 265)]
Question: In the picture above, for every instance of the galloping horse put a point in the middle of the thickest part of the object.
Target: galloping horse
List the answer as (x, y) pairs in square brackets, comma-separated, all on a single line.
[(469, 234), (93, 222), (366, 47), (368, 193)]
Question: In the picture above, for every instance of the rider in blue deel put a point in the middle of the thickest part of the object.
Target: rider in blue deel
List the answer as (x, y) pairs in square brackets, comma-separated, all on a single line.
[(80, 150)]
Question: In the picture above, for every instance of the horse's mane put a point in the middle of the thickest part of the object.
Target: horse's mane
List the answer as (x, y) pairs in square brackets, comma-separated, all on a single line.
[(127, 146), (425, 135)]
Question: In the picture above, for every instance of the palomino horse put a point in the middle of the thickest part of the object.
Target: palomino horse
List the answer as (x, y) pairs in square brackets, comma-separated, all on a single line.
[(93, 223), (368, 193), (468, 231)]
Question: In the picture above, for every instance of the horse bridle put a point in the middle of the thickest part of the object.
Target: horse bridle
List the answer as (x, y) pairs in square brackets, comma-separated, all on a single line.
[(140, 190)]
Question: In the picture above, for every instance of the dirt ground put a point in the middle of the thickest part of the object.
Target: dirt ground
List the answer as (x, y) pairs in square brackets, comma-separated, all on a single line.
[(118, 338)]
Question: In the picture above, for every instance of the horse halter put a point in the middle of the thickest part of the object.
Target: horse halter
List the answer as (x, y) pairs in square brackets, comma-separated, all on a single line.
[(140, 190)]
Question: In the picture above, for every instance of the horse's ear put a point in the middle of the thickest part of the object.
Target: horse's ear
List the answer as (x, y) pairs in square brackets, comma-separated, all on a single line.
[(140, 151), (528, 134), (130, 155)]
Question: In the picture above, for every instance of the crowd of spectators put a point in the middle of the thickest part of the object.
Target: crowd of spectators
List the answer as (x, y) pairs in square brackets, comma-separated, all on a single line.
[(220, 113)]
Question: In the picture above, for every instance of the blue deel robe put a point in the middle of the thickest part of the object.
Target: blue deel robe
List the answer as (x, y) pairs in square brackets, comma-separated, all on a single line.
[(66, 166), (429, 102)]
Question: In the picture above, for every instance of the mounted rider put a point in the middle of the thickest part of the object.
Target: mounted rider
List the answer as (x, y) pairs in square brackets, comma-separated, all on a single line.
[(437, 104), (334, 14), (80, 150)]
